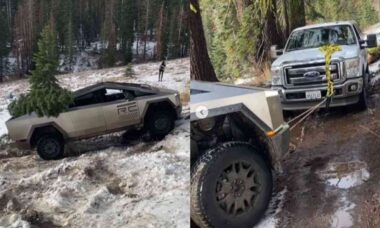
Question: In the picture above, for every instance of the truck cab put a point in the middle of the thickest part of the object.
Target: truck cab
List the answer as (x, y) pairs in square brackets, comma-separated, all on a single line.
[(299, 75)]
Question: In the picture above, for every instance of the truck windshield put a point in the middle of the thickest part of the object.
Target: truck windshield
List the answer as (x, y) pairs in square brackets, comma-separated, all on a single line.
[(317, 37)]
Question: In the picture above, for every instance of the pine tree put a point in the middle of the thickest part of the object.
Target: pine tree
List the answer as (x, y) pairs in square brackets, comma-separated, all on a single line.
[(46, 97), (117, 23), (126, 22), (200, 64), (109, 34), (129, 71), (4, 42), (161, 32)]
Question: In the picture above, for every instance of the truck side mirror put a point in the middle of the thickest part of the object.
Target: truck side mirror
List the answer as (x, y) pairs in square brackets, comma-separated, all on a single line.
[(275, 52), (363, 44), (373, 40)]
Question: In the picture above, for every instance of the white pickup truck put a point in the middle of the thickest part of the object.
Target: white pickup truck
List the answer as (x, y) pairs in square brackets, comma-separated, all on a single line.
[(298, 73)]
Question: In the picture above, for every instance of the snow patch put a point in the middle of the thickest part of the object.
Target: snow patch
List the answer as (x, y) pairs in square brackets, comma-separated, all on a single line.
[(345, 175), (13, 221), (4, 116), (342, 217), (270, 219)]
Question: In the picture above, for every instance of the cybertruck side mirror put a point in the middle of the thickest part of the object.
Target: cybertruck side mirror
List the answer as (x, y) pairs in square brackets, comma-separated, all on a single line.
[(373, 40), (275, 52)]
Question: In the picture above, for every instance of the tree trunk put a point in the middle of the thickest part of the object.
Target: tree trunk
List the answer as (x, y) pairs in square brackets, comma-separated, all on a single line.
[(146, 28), (297, 14), (272, 30), (286, 17), (1, 69), (200, 63), (181, 11), (160, 34)]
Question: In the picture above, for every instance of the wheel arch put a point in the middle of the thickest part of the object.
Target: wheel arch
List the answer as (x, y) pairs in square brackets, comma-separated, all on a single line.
[(158, 104), (46, 128), (248, 128), (252, 133)]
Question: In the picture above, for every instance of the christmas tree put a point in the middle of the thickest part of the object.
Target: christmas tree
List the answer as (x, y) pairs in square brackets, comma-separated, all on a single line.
[(46, 97)]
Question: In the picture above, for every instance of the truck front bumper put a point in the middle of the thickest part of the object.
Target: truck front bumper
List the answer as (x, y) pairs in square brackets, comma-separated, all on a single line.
[(295, 98)]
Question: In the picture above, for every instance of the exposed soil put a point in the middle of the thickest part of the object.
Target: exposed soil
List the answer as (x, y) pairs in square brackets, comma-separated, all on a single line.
[(332, 175)]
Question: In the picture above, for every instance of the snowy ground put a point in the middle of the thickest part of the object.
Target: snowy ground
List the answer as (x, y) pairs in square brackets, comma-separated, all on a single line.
[(101, 182)]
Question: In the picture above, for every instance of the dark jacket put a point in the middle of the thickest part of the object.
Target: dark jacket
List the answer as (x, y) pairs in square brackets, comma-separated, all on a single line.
[(162, 67)]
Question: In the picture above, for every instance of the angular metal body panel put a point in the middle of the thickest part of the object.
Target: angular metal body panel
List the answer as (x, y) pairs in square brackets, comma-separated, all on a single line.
[(99, 118)]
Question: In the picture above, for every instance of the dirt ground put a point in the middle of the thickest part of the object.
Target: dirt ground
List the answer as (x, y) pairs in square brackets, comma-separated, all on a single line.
[(332, 175)]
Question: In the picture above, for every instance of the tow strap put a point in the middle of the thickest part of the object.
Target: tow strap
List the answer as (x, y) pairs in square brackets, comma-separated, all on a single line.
[(329, 50)]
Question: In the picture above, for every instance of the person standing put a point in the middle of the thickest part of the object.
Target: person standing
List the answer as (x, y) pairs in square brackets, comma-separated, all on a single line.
[(161, 71)]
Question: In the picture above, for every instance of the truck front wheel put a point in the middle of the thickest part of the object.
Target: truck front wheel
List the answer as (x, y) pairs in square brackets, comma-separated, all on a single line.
[(363, 102), (363, 97), (50, 147), (231, 186)]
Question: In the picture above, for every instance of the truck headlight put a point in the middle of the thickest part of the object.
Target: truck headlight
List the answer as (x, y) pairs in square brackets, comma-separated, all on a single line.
[(352, 67), (276, 73)]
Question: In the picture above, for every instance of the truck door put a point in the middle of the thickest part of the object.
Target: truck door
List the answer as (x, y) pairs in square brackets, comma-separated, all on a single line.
[(86, 116), (121, 109), (363, 51)]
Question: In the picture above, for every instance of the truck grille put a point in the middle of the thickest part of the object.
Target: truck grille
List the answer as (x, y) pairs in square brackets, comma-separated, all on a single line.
[(310, 74)]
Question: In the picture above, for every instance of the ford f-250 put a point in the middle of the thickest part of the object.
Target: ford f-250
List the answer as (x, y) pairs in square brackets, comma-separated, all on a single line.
[(298, 72)]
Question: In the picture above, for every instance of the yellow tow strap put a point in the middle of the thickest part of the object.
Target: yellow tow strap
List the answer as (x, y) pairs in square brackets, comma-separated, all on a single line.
[(329, 50)]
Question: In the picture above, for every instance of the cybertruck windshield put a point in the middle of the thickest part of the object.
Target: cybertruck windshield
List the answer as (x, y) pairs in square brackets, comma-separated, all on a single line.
[(317, 37)]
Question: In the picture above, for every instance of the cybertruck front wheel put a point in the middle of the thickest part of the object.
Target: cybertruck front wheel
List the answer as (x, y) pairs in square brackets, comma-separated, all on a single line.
[(231, 186), (50, 147)]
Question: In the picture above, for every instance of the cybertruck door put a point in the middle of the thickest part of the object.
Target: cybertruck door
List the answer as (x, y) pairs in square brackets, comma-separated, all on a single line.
[(87, 121), (120, 111)]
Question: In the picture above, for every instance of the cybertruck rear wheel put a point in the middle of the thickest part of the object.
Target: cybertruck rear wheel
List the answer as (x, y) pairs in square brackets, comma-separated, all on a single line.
[(160, 123), (50, 147), (231, 186)]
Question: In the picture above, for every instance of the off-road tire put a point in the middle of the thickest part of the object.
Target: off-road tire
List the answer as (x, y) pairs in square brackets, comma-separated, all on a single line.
[(160, 123), (362, 104), (50, 146), (205, 210)]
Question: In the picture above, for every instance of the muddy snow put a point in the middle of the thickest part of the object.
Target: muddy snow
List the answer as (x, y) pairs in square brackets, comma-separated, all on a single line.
[(101, 182), (270, 219)]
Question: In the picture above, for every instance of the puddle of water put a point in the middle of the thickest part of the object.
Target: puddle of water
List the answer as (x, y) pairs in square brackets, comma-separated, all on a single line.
[(345, 175), (342, 217)]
